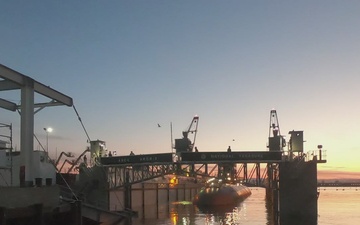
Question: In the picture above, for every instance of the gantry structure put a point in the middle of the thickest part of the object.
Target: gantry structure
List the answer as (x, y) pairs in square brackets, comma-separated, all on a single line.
[(249, 167), (12, 80)]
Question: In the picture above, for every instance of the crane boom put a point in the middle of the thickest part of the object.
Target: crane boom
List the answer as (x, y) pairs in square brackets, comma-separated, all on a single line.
[(185, 144), (193, 130), (276, 141)]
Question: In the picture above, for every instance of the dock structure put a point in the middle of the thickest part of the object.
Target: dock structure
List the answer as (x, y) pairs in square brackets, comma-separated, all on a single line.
[(290, 178), (230, 165)]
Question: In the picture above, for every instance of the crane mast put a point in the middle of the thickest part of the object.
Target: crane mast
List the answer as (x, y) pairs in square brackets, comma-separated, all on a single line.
[(276, 141), (193, 130), (185, 144)]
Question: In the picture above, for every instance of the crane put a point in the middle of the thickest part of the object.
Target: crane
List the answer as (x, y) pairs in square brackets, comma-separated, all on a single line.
[(193, 130), (276, 141), (185, 144), (67, 154)]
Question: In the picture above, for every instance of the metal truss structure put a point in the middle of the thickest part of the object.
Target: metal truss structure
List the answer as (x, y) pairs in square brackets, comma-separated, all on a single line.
[(251, 174)]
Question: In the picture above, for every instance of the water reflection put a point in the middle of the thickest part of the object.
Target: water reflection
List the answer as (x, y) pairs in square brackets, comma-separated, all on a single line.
[(271, 217), (218, 210), (232, 217), (182, 213), (187, 214), (252, 211), (225, 214)]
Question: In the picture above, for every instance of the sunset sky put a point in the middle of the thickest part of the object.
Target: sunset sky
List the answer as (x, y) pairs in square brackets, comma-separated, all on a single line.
[(130, 65)]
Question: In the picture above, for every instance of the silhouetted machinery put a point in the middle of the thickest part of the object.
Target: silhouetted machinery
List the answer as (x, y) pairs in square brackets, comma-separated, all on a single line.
[(184, 144), (296, 142), (276, 141)]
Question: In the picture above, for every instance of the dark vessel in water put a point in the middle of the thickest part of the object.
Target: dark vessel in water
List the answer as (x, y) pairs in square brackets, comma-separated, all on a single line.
[(217, 193)]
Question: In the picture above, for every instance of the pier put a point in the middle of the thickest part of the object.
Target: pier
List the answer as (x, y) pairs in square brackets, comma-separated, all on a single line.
[(289, 176), (290, 180)]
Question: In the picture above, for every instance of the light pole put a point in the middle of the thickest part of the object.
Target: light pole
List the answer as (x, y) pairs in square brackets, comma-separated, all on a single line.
[(47, 130)]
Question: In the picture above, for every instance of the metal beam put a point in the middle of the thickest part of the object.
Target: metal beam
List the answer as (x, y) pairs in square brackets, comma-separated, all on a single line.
[(6, 85), (19, 79), (11, 75), (43, 105), (7, 105), (53, 94)]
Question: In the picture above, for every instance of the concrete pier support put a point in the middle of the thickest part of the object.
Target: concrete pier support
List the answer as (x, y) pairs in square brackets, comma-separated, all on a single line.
[(298, 192)]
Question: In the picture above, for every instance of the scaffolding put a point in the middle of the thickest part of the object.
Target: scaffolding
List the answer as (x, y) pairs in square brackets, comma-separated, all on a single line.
[(6, 151)]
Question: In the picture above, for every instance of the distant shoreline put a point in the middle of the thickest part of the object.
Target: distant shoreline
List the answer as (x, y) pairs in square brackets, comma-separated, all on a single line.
[(339, 184)]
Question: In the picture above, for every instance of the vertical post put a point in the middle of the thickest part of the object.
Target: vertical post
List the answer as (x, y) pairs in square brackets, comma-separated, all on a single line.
[(177, 192), (184, 191), (127, 197), (47, 130), (192, 167), (168, 197), (27, 129), (245, 173), (275, 202), (143, 199), (258, 177), (190, 189), (157, 200), (219, 170), (11, 158), (113, 176)]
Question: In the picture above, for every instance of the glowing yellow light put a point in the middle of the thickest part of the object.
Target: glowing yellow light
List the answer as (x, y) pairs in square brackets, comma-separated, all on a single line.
[(173, 181)]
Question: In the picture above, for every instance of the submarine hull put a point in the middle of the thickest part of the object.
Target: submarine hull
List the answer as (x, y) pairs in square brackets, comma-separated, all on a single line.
[(221, 196)]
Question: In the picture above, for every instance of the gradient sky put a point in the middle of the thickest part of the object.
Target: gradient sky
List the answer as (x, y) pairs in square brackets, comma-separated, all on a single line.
[(129, 65)]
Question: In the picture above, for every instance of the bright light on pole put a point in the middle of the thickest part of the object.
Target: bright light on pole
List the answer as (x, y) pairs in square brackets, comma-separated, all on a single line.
[(47, 130)]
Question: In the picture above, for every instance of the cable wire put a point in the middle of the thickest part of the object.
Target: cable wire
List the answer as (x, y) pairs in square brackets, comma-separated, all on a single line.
[(82, 123)]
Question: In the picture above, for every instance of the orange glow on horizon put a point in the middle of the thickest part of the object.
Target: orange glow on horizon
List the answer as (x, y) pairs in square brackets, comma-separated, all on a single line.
[(337, 175)]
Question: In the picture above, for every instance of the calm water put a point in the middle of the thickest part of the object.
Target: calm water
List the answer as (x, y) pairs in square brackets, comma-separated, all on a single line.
[(336, 206)]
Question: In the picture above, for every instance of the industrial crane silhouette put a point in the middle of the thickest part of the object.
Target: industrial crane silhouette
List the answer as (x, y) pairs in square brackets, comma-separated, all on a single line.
[(185, 144), (276, 141)]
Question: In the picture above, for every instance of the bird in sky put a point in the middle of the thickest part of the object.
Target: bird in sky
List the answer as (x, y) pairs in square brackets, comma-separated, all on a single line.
[(159, 125)]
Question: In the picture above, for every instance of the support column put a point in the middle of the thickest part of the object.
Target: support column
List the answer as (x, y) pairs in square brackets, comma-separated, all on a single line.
[(27, 129), (127, 191), (157, 201), (258, 176), (143, 199), (298, 193), (245, 173)]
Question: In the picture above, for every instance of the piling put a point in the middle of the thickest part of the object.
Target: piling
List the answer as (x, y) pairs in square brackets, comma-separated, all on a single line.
[(298, 192), (292, 192)]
